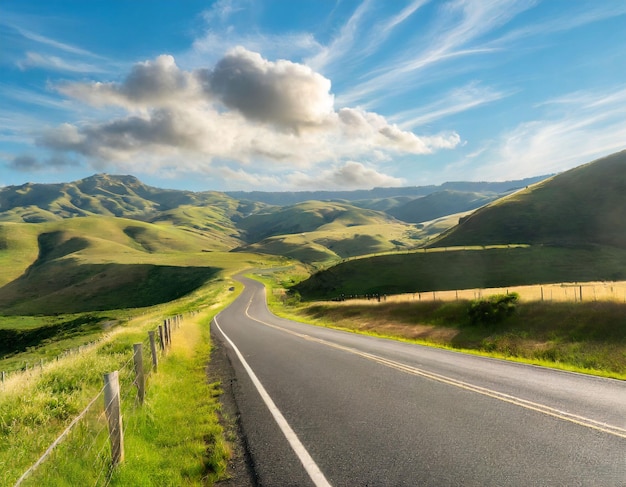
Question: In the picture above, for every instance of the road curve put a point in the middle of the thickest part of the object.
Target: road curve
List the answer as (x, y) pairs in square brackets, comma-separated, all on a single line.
[(322, 407)]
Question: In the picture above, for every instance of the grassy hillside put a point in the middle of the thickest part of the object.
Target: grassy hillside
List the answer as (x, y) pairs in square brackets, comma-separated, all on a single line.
[(322, 233), (98, 263), (308, 217), (441, 269), (209, 214), (585, 205), (439, 204)]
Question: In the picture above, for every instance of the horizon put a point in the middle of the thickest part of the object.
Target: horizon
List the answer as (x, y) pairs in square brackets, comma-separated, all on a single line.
[(237, 95), (375, 188)]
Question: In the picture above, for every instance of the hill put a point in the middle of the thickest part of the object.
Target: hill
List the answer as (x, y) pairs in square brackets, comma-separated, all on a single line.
[(320, 232), (208, 213), (571, 227), (585, 205), (412, 192), (96, 263), (441, 203)]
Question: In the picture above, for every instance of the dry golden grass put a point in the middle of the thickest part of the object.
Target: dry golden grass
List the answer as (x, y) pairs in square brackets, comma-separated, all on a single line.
[(562, 292)]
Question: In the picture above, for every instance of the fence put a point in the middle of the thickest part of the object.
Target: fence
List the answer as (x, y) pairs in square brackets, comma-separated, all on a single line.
[(30, 368), (98, 428), (572, 292)]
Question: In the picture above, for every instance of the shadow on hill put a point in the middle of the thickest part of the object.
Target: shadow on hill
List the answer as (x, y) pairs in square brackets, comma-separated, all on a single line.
[(65, 286), (15, 340)]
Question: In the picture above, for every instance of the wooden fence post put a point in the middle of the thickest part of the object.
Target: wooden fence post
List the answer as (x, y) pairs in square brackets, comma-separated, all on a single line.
[(168, 333), (114, 416), (3, 377), (153, 351), (140, 380), (161, 338), (580, 290)]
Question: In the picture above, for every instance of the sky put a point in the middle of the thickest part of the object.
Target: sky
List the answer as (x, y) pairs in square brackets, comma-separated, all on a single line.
[(280, 95)]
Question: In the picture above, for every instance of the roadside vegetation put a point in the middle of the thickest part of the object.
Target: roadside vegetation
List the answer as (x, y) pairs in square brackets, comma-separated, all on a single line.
[(587, 337), (175, 438)]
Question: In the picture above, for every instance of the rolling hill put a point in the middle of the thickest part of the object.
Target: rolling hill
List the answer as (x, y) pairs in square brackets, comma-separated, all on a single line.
[(440, 203), (571, 227), (585, 205), (90, 263)]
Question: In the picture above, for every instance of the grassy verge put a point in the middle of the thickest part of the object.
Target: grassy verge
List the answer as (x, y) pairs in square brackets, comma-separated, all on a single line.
[(173, 439), (587, 337)]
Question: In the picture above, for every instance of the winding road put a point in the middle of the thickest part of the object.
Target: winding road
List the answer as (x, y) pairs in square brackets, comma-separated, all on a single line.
[(322, 407)]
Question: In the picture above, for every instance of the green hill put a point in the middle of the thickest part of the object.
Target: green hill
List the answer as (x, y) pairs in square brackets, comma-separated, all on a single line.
[(439, 204), (90, 263), (571, 227), (308, 217), (322, 233), (585, 205)]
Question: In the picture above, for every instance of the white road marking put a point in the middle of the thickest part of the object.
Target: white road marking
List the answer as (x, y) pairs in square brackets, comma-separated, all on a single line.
[(308, 463)]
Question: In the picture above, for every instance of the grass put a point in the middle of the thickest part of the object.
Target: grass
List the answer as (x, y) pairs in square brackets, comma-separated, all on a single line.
[(173, 439), (460, 268), (581, 206), (587, 337)]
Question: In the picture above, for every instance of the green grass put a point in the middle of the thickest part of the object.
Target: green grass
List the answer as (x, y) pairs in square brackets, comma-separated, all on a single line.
[(448, 269), (584, 337), (584, 205), (174, 439)]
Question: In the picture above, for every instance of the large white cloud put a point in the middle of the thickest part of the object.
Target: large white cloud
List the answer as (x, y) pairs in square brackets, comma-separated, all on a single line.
[(245, 110), (283, 93)]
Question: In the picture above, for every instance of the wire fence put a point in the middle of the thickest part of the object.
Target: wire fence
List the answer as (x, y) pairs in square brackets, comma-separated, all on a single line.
[(87, 439), (562, 292)]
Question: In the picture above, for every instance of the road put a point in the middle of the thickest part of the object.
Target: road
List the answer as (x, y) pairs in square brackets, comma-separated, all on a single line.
[(322, 407)]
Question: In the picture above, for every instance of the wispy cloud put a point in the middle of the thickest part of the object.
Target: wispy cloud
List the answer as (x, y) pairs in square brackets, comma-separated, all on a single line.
[(55, 63), (343, 44), (47, 41), (577, 14), (576, 128), (458, 31), (456, 101)]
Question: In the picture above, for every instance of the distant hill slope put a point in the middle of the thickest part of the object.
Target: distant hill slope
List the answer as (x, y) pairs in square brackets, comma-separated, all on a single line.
[(208, 213), (585, 205), (412, 192), (308, 217), (441, 203)]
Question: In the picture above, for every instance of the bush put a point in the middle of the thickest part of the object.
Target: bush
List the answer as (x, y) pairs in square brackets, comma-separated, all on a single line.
[(493, 309)]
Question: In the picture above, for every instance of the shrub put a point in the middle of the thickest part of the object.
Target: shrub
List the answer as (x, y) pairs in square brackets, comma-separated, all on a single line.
[(493, 309)]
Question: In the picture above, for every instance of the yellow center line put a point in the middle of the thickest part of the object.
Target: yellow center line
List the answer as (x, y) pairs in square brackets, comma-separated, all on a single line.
[(533, 406)]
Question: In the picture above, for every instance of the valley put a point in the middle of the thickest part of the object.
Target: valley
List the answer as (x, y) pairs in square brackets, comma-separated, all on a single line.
[(85, 262)]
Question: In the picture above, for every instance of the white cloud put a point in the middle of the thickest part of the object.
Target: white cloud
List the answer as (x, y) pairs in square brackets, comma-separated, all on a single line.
[(284, 93), (155, 83), (246, 110), (577, 128), (56, 63), (351, 175)]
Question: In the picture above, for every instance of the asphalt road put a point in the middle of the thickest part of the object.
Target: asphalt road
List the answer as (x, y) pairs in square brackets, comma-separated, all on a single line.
[(324, 407)]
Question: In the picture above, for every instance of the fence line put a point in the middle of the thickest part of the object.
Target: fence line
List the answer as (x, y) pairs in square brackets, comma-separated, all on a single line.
[(58, 440), (561, 292), (108, 466)]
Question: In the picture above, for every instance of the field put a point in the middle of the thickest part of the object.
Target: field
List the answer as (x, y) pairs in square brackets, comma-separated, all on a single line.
[(558, 331), (561, 292), (449, 269)]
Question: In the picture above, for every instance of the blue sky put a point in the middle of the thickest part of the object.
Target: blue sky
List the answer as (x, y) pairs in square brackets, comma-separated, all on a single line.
[(302, 95)]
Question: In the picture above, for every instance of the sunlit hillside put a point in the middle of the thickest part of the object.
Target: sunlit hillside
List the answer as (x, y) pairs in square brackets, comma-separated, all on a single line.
[(585, 205)]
